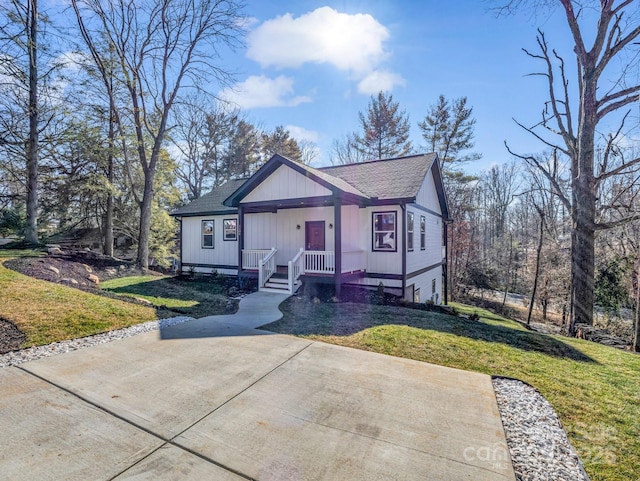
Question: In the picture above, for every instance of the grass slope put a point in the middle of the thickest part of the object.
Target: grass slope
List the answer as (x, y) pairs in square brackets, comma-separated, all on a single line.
[(48, 312), (594, 389), (192, 298)]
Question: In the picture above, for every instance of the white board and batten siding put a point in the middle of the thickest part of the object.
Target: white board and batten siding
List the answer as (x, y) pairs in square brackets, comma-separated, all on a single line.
[(286, 183), (377, 262), (432, 254), (427, 195), (427, 205), (265, 230), (223, 253), (429, 285)]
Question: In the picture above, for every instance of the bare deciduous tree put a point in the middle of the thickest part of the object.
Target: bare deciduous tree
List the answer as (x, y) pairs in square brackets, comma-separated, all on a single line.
[(19, 35), (605, 87), (160, 48), (345, 150)]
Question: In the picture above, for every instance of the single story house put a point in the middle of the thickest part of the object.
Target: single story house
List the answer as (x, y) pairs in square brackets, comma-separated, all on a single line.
[(362, 224)]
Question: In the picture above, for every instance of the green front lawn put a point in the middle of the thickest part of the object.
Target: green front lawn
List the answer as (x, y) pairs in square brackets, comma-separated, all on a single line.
[(594, 389), (46, 312), (192, 298)]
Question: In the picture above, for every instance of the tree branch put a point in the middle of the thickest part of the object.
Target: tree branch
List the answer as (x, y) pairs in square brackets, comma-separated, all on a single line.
[(552, 180)]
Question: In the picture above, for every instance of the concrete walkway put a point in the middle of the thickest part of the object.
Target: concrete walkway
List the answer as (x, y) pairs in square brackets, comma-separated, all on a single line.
[(216, 399)]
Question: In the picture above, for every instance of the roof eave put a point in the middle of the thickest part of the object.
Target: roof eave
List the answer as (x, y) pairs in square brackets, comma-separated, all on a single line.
[(204, 213)]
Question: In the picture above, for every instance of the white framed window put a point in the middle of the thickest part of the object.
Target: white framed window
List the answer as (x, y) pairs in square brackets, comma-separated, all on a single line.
[(423, 232), (416, 295), (410, 231), (207, 234), (230, 229), (384, 231)]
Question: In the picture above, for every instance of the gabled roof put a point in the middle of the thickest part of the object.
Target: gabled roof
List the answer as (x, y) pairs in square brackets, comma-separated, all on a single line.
[(211, 203), (399, 178), (334, 184), (365, 183)]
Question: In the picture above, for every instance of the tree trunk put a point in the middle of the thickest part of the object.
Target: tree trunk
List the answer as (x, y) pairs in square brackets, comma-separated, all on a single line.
[(507, 277), (31, 234), (537, 273), (145, 220), (636, 333), (108, 215), (583, 215)]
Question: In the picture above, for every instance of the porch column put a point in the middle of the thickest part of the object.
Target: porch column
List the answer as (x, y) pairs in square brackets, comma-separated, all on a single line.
[(337, 236), (240, 236)]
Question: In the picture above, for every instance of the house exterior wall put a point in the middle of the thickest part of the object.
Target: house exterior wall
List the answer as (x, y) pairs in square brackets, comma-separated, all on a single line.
[(279, 230), (353, 235), (424, 282), (222, 257), (286, 183), (427, 205), (383, 262), (432, 254), (427, 195)]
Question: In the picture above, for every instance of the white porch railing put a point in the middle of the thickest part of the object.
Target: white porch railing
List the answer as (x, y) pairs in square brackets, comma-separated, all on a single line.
[(352, 261), (251, 258), (296, 269), (319, 262), (266, 267)]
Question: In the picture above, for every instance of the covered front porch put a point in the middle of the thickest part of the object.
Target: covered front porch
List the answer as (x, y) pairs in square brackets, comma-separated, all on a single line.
[(295, 221), (273, 276)]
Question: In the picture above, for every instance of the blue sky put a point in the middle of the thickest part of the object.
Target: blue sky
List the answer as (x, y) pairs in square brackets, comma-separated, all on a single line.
[(313, 65)]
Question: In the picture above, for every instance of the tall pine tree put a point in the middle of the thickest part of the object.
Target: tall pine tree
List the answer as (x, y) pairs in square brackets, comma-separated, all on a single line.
[(385, 129)]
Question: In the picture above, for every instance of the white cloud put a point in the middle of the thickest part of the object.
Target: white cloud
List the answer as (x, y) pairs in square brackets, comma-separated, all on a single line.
[(300, 133), (348, 42), (262, 91), (379, 80)]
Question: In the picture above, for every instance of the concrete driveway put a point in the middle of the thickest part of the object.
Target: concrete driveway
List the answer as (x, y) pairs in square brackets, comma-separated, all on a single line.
[(213, 400)]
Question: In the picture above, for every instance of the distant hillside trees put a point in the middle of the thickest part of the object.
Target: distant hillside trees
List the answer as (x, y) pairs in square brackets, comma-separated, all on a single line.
[(216, 144)]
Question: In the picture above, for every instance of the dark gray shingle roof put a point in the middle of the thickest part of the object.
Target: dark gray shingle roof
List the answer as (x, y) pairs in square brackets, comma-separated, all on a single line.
[(211, 203), (399, 178)]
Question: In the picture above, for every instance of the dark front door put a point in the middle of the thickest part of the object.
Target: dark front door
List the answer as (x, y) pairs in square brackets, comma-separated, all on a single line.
[(314, 235)]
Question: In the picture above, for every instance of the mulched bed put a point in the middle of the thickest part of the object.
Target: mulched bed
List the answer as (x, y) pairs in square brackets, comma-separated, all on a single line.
[(80, 269), (10, 336)]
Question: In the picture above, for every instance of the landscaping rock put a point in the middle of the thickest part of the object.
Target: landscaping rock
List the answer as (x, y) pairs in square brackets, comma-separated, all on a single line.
[(87, 267), (13, 357), (93, 278), (110, 271), (67, 280), (54, 269), (54, 250), (538, 444), (602, 336), (141, 300)]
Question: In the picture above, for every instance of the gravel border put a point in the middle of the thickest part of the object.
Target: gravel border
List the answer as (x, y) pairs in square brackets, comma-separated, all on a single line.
[(539, 447), (14, 358)]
